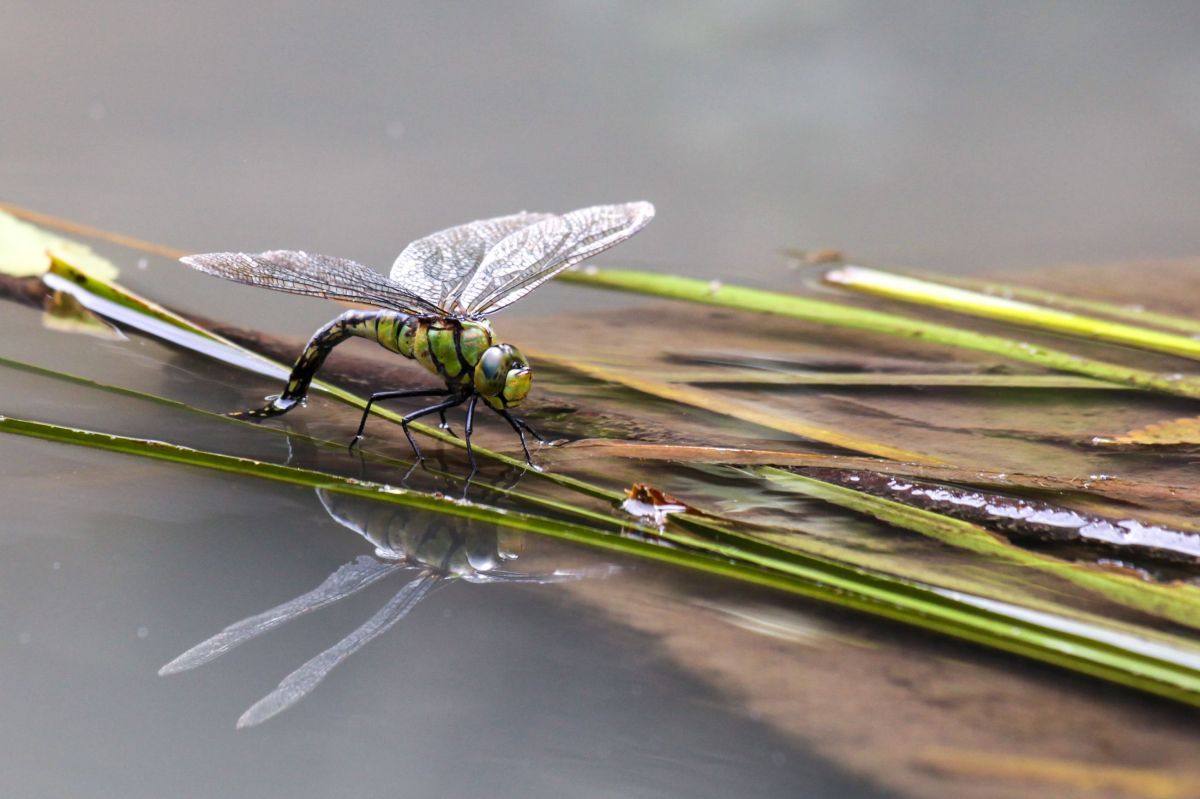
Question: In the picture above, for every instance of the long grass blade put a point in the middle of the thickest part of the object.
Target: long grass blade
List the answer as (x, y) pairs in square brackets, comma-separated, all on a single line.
[(988, 306), (1149, 495), (1131, 313), (1171, 671), (830, 313), (1178, 602), (745, 411), (755, 378)]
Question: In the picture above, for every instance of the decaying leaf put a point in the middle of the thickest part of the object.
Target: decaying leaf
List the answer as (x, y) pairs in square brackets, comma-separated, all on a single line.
[(24, 251), (65, 315)]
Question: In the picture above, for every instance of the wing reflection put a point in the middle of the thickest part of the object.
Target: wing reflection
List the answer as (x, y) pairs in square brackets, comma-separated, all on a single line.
[(440, 549)]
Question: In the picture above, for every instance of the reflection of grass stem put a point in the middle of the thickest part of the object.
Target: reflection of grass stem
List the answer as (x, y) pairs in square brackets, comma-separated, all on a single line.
[(1042, 636), (831, 313)]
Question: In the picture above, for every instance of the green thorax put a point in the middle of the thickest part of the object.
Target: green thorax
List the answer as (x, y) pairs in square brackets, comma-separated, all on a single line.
[(450, 348)]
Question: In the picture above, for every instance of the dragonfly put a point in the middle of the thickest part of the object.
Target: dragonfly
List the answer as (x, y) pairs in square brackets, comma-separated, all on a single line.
[(434, 305)]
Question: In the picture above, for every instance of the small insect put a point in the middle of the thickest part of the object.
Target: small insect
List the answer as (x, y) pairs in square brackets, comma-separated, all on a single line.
[(436, 302)]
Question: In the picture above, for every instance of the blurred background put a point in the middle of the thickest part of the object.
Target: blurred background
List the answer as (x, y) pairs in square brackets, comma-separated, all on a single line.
[(936, 135)]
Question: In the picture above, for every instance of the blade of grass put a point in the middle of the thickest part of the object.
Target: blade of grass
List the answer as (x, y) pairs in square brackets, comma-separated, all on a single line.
[(1132, 492), (1168, 671), (756, 377), (533, 499), (988, 306), (745, 411), (830, 313), (1178, 602), (1130, 312)]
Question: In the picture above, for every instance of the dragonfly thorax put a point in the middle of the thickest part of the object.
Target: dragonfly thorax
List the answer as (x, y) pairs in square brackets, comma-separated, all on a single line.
[(462, 352)]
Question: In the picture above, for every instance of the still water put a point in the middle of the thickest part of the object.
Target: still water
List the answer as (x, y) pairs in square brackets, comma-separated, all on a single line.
[(958, 137), (495, 690)]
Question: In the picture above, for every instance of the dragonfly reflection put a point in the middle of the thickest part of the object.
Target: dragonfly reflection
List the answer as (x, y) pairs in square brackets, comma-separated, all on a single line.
[(440, 549)]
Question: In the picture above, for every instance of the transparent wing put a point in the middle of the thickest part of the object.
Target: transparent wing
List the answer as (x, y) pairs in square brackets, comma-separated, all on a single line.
[(347, 580), (525, 259), (313, 275), (438, 266), (303, 680)]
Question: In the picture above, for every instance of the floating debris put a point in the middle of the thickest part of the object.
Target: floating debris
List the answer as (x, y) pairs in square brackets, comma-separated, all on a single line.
[(648, 504)]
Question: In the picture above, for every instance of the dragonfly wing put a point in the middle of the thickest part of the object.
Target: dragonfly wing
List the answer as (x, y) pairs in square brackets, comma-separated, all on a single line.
[(528, 257), (303, 680), (438, 266), (313, 275)]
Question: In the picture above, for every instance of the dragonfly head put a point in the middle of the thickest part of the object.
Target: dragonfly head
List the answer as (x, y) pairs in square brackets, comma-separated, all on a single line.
[(503, 376)]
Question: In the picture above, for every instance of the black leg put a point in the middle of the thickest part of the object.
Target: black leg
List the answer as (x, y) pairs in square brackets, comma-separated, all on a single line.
[(385, 395), (520, 426), (470, 427), (446, 425), (450, 403), (528, 427)]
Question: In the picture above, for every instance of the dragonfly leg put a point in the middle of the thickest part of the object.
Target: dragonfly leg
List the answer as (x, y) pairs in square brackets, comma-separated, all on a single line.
[(529, 427), (412, 417), (444, 425), (520, 426), (469, 429), (385, 395)]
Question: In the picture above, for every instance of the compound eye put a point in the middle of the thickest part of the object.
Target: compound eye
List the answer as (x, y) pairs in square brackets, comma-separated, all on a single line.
[(491, 365), (491, 371)]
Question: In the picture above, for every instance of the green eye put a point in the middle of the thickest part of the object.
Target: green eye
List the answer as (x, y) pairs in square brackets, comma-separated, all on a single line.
[(491, 365), (502, 372)]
